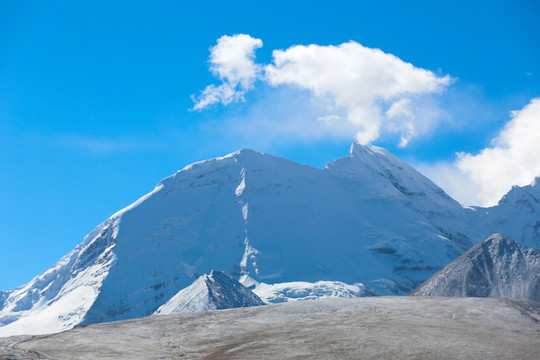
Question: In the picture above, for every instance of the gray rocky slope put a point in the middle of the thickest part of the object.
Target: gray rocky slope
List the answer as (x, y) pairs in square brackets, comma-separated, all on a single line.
[(355, 328), (497, 267), (214, 291)]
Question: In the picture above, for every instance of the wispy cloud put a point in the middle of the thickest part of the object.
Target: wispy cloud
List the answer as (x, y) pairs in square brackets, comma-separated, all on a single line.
[(102, 145), (231, 60), (280, 117)]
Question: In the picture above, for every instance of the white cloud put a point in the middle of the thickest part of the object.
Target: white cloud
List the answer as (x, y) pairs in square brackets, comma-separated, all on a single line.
[(98, 145), (366, 91), (231, 60), (360, 80), (513, 159), (401, 119)]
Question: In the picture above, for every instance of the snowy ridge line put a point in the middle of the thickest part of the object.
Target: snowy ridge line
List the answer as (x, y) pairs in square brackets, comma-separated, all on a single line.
[(58, 298)]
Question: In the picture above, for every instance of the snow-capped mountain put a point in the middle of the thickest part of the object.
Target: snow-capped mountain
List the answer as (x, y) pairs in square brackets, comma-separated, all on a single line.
[(497, 267), (214, 291), (367, 218)]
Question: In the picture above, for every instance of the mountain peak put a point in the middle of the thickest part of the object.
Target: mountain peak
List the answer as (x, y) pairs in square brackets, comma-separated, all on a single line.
[(496, 267), (498, 238), (385, 175), (357, 149), (246, 152), (500, 245), (214, 291), (523, 196)]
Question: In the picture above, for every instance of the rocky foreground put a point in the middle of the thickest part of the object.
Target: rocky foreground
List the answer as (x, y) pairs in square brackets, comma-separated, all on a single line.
[(356, 328)]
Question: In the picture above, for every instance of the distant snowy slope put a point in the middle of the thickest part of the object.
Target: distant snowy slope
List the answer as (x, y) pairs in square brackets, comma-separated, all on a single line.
[(516, 215), (215, 291), (497, 267)]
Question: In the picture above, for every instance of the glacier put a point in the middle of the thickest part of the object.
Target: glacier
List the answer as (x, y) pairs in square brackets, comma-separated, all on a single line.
[(302, 290), (367, 218)]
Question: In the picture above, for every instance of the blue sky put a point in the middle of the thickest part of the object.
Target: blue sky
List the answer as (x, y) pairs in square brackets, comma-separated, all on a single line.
[(96, 100)]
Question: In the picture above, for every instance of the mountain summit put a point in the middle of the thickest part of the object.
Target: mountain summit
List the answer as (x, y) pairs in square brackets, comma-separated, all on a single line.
[(215, 291), (367, 218), (497, 267)]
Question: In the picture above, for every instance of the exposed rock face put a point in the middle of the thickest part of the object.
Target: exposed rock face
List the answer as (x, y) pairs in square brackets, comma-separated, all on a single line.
[(216, 291), (497, 267)]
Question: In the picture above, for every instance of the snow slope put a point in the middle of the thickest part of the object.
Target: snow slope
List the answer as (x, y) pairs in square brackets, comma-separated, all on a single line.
[(497, 267), (517, 215), (59, 298), (215, 291), (367, 218)]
